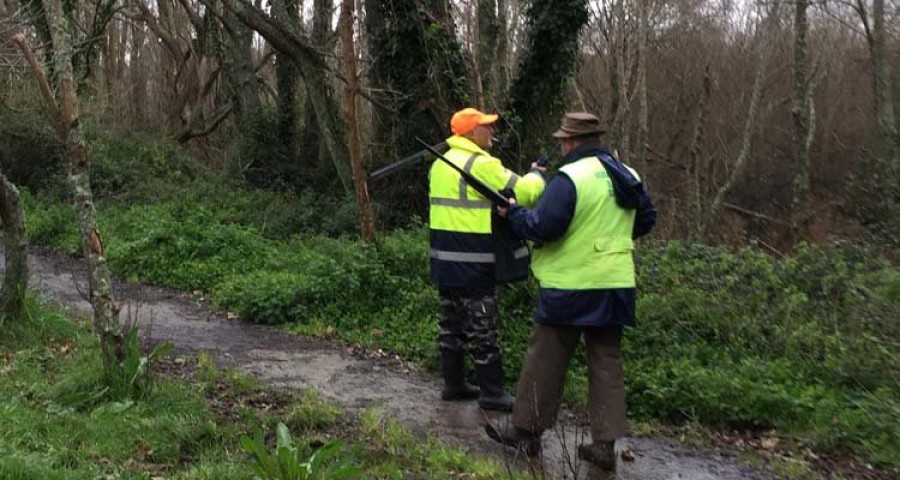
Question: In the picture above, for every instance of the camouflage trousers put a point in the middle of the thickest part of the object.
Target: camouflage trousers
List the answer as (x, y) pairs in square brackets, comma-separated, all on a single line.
[(470, 318)]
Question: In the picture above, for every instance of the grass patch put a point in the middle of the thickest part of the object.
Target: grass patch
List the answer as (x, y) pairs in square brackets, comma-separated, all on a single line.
[(185, 428)]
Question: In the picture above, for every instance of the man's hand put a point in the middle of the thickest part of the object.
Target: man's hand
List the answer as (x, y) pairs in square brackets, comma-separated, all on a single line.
[(504, 210), (537, 166)]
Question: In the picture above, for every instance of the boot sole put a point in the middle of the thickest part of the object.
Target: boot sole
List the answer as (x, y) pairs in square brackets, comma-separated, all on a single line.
[(531, 449), (605, 466)]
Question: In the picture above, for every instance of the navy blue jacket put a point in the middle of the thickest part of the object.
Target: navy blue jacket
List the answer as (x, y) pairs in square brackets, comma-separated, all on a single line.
[(550, 220)]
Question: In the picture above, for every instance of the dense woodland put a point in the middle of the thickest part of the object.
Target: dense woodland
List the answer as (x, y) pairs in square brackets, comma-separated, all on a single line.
[(770, 121), (222, 147)]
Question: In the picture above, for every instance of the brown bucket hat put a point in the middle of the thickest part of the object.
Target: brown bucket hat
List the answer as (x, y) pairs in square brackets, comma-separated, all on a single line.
[(577, 124)]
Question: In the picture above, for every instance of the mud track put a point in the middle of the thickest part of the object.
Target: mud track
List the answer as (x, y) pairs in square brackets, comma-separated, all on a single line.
[(357, 382)]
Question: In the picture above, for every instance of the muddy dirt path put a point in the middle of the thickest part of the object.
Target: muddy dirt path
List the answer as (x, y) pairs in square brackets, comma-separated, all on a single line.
[(358, 383)]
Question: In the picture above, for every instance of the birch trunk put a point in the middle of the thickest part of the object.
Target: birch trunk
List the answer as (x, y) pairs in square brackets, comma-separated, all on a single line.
[(348, 51), (106, 312)]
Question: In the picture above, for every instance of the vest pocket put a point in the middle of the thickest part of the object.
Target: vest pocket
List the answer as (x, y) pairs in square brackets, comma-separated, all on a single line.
[(613, 245)]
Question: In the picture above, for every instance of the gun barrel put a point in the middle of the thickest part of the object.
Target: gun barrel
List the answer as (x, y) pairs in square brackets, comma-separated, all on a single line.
[(416, 158)]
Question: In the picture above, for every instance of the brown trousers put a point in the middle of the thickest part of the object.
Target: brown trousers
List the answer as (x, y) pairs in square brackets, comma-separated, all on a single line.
[(544, 374)]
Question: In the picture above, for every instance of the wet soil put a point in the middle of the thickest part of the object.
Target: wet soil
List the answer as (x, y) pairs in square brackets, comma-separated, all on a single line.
[(358, 382)]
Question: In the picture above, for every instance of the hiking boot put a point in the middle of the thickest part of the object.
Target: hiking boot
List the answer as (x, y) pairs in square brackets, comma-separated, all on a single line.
[(601, 454), (522, 440), (453, 368), (493, 395)]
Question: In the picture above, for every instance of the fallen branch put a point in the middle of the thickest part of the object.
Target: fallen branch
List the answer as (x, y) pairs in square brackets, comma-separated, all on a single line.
[(758, 215)]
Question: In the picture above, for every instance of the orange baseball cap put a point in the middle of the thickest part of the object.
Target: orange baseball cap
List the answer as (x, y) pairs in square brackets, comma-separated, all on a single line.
[(465, 120)]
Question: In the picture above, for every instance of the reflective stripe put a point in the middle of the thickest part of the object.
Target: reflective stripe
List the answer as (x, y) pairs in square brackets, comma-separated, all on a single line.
[(463, 190), (512, 182), (453, 202), (470, 162), (469, 257), (465, 257)]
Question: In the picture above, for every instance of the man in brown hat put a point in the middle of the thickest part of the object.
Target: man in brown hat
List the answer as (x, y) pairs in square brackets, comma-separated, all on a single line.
[(583, 230)]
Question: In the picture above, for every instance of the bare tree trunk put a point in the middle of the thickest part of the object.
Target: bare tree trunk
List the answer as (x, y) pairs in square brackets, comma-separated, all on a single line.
[(643, 139), (622, 122), (801, 99), (487, 36), (363, 204), (287, 76), (322, 38), (884, 106), (474, 25), (740, 163), (382, 122), (693, 186), (138, 72), (111, 67), (15, 283), (501, 84), (106, 313), (237, 65)]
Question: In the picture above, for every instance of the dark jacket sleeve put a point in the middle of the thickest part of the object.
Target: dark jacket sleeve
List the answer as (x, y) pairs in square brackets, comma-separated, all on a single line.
[(551, 217), (645, 217)]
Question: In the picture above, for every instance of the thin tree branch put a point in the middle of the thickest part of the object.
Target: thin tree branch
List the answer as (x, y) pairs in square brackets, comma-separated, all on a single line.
[(38, 71), (753, 214), (208, 128)]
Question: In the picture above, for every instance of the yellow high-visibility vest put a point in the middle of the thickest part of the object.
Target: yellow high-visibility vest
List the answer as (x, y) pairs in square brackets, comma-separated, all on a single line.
[(596, 251)]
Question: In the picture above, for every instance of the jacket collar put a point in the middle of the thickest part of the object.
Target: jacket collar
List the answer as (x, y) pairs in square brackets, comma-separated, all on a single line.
[(463, 143), (593, 149)]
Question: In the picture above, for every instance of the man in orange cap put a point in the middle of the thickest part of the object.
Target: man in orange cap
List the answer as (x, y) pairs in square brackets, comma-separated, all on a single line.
[(463, 257)]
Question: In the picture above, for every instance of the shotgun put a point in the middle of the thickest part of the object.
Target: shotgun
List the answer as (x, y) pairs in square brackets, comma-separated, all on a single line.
[(420, 156), (493, 195)]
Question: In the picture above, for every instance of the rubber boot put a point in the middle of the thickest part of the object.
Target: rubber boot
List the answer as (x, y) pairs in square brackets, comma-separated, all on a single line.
[(601, 454), (526, 442), (493, 395), (453, 367)]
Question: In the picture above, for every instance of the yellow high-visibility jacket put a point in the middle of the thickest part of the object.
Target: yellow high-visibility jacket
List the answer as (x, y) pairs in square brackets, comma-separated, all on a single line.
[(462, 252)]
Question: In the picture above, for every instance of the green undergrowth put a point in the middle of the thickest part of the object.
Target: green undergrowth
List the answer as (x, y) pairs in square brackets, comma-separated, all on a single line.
[(188, 428), (807, 345)]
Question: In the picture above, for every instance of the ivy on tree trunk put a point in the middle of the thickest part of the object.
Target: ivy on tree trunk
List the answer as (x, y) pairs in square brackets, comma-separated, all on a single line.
[(545, 71)]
